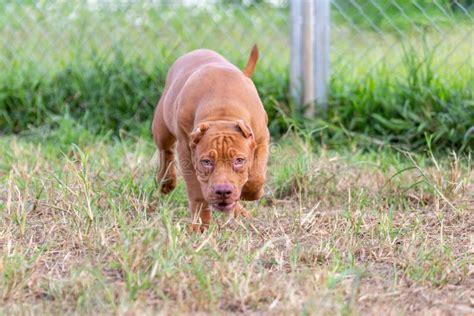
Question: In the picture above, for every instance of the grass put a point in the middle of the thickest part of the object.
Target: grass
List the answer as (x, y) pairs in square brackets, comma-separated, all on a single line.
[(83, 229)]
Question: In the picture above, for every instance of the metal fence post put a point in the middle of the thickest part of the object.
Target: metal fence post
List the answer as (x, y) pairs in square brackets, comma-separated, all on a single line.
[(296, 49), (308, 57), (321, 52), (309, 73)]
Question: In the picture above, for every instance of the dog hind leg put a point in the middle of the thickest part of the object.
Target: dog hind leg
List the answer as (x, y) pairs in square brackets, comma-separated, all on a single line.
[(165, 141)]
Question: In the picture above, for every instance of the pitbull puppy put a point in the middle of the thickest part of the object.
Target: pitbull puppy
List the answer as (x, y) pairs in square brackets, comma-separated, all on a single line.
[(213, 111)]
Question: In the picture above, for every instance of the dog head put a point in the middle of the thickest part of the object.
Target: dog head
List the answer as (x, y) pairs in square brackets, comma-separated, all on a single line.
[(223, 154)]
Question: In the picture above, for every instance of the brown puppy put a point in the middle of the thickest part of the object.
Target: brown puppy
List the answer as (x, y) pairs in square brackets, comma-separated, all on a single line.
[(213, 111)]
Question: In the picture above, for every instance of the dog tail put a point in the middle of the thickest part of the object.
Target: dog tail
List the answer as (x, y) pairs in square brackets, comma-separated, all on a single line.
[(250, 68)]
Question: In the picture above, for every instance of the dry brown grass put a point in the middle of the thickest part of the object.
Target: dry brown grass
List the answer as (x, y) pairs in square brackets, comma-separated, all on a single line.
[(339, 233)]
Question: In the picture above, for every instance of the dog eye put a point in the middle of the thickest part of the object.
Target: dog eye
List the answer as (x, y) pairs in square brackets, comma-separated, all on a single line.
[(207, 163), (239, 162)]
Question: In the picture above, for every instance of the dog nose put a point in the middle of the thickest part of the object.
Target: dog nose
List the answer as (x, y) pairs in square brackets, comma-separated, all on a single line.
[(223, 190)]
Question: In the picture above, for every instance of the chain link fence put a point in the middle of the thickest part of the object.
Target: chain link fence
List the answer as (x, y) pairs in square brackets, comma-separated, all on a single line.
[(369, 40), (56, 33), (365, 35)]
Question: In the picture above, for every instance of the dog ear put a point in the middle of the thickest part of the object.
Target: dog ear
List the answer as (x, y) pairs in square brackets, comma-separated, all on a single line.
[(198, 133), (245, 129)]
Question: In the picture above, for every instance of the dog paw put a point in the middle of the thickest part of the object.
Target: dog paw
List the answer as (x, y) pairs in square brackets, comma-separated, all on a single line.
[(168, 185), (199, 228), (240, 211)]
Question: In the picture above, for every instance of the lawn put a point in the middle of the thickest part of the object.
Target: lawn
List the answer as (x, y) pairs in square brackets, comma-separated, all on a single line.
[(83, 229)]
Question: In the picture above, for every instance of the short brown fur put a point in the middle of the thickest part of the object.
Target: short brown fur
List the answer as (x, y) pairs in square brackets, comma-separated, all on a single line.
[(212, 110)]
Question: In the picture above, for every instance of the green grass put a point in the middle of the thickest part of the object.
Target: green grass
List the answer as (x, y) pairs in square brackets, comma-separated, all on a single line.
[(105, 69), (83, 229)]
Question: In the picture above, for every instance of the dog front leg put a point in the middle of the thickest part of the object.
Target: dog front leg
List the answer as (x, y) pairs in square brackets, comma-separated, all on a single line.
[(253, 189), (200, 211)]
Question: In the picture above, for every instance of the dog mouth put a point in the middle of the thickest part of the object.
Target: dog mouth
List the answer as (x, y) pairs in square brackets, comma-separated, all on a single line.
[(224, 206)]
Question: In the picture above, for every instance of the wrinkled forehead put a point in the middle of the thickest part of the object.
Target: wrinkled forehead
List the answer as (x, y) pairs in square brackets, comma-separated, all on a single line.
[(223, 146)]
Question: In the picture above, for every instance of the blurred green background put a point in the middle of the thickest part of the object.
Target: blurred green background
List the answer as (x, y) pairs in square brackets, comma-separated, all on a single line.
[(402, 71)]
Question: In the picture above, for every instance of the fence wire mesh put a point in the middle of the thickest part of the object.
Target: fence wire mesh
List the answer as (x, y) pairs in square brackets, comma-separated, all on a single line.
[(55, 34), (366, 36), (386, 35)]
